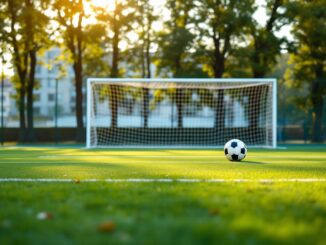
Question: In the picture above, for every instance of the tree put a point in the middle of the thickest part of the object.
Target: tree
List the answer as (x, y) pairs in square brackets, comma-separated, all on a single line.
[(138, 56), (224, 24), (119, 23), (20, 57), (174, 46), (264, 48), (146, 18), (146, 35), (36, 23), (24, 32), (308, 59), (265, 45), (78, 38)]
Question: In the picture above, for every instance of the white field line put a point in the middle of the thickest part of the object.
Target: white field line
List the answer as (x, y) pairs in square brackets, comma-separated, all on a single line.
[(126, 156), (166, 180), (171, 156)]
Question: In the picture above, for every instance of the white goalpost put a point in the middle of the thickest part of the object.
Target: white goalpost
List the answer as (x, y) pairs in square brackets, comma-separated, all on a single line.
[(177, 112)]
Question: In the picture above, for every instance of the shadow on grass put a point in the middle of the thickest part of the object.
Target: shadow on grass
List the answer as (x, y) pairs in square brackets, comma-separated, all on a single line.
[(164, 213), (252, 162)]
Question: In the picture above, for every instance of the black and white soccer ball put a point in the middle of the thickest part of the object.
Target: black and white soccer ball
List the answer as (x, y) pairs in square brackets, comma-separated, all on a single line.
[(235, 150)]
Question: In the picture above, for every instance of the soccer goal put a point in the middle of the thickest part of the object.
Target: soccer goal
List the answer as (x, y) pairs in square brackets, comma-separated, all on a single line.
[(180, 112)]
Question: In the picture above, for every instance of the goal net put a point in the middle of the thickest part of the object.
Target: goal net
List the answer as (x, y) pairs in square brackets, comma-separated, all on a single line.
[(180, 112)]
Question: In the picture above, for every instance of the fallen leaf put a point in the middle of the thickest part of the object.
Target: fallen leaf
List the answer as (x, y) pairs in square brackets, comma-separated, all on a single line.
[(44, 216), (214, 212), (106, 227)]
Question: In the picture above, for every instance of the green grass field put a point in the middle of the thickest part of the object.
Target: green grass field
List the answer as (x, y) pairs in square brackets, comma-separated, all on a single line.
[(262, 200)]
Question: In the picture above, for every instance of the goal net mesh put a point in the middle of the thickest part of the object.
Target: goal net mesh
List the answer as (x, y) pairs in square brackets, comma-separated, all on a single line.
[(181, 114)]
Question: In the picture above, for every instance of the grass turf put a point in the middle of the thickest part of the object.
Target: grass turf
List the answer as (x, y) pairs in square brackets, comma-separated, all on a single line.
[(162, 213)]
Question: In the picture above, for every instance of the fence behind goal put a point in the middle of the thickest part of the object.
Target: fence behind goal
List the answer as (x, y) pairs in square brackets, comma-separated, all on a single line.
[(180, 112)]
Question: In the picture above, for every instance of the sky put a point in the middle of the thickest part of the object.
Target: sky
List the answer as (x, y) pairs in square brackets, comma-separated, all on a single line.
[(261, 17)]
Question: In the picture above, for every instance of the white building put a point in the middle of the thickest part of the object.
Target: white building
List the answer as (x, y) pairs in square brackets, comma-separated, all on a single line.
[(164, 115), (7, 101), (44, 103)]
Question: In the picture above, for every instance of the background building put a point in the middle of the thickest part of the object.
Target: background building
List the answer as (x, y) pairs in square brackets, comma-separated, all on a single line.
[(7, 101)]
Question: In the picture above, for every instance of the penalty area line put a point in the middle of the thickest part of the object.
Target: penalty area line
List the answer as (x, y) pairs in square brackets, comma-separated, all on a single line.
[(163, 180)]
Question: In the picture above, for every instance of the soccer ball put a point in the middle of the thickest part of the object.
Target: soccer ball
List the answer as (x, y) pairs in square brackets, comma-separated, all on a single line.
[(235, 150)]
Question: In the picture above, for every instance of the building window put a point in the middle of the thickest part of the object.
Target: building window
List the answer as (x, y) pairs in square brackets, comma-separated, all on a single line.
[(51, 55), (37, 97), (37, 110), (51, 97), (51, 83), (38, 69), (53, 70)]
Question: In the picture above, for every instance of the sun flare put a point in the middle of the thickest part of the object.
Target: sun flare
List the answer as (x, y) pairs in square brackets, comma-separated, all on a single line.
[(102, 3), (106, 4)]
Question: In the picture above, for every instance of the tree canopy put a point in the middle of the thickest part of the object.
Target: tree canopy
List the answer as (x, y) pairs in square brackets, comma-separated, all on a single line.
[(201, 38), (308, 59)]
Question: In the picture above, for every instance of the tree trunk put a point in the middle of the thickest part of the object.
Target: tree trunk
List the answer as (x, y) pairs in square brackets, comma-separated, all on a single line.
[(22, 122), (115, 55), (143, 65), (147, 73), (114, 74), (20, 63), (31, 57), (220, 110), (22, 98), (219, 68), (259, 62), (79, 100), (179, 103), (78, 67), (148, 56), (179, 94), (114, 106), (317, 133), (145, 106), (30, 100), (317, 100)]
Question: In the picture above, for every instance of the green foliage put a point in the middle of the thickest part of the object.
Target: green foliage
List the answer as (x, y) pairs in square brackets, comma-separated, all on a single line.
[(139, 54), (175, 41), (24, 29), (292, 105), (24, 32), (118, 23), (174, 48), (308, 59), (238, 63), (310, 32), (309, 29), (265, 46), (95, 64), (82, 41), (222, 26)]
